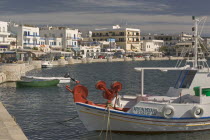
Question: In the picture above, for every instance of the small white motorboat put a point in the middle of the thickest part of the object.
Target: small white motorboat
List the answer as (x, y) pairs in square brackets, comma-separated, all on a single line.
[(185, 107), (46, 64)]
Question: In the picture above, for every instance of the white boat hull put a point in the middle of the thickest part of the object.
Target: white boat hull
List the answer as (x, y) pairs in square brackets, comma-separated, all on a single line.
[(95, 119), (62, 79), (46, 64)]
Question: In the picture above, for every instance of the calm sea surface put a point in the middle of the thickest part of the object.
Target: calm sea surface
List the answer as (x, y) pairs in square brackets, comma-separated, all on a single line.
[(49, 113)]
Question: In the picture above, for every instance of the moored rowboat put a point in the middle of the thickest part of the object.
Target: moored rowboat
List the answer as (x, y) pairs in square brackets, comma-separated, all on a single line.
[(61, 79), (37, 83)]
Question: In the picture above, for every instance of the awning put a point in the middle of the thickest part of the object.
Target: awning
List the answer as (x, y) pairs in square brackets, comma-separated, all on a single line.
[(75, 49), (3, 46)]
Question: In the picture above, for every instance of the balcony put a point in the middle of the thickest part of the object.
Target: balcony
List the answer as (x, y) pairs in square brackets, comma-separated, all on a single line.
[(31, 44), (4, 33), (131, 35), (133, 42), (31, 35), (4, 43)]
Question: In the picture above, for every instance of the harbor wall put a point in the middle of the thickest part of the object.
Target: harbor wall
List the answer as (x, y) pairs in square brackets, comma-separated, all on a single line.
[(13, 72), (71, 61)]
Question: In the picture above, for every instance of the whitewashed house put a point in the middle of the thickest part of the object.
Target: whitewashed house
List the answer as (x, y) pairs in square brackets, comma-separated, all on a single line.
[(27, 36), (90, 49), (151, 45), (6, 42), (69, 37)]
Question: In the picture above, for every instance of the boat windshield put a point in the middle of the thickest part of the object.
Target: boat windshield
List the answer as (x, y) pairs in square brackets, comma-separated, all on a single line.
[(185, 79)]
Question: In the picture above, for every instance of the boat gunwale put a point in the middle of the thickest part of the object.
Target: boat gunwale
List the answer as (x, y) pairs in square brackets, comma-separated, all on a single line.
[(138, 115)]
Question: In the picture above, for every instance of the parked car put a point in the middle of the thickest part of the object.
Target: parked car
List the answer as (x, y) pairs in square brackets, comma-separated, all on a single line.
[(138, 56), (118, 55), (77, 57), (10, 60), (101, 57)]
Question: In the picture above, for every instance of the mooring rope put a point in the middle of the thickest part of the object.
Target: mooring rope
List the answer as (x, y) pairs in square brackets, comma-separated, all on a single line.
[(108, 126)]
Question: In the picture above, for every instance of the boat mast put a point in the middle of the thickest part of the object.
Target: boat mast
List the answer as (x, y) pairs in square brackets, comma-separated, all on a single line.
[(195, 29)]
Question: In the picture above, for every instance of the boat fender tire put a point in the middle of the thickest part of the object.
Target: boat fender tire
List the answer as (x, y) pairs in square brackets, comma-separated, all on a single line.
[(168, 111), (197, 111)]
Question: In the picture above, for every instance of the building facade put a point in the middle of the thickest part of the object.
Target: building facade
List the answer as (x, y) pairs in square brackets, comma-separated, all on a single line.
[(6, 42), (126, 38), (69, 37), (169, 39), (151, 45), (27, 36), (90, 49)]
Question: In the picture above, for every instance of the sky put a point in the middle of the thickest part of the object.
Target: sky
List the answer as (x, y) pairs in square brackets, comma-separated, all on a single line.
[(150, 16)]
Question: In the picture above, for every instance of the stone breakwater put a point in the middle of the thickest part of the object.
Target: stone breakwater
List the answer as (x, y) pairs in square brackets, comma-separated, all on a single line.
[(13, 72)]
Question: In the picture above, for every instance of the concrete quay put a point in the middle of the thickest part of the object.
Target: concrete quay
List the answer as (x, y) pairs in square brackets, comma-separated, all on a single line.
[(9, 129), (90, 60)]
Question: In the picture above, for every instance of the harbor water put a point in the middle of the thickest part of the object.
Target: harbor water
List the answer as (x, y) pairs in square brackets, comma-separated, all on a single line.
[(48, 113)]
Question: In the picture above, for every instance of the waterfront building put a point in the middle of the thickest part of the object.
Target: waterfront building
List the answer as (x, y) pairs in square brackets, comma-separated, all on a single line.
[(6, 41), (206, 42), (69, 37), (90, 49), (27, 35), (127, 38), (170, 40), (182, 47), (51, 43), (151, 45)]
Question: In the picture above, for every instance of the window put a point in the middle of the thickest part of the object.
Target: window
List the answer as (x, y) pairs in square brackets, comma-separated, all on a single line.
[(3, 29), (185, 79), (61, 35), (25, 33), (0, 29)]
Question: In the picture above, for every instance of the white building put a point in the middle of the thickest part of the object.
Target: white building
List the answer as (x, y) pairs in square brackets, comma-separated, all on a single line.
[(27, 36), (69, 36), (169, 39), (206, 42), (90, 49), (151, 45), (6, 42)]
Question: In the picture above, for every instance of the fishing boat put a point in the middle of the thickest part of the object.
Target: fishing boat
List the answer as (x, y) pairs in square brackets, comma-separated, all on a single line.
[(46, 64), (185, 107), (37, 83)]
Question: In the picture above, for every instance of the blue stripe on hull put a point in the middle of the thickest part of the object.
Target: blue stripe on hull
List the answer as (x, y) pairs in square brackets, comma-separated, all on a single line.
[(137, 115)]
